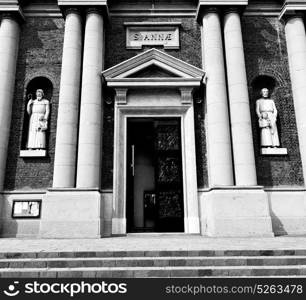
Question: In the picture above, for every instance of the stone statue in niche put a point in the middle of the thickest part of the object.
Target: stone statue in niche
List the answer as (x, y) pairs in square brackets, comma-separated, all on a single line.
[(267, 116), (39, 111)]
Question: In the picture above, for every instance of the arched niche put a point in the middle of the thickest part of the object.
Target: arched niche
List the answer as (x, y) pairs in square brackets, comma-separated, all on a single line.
[(269, 82), (263, 81), (33, 85)]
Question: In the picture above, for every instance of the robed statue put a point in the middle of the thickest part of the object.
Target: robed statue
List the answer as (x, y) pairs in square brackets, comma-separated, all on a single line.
[(267, 117), (39, 111)]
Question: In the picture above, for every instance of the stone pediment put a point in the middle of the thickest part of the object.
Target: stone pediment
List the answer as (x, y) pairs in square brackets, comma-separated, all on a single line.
[(153, 68), (152, 72)]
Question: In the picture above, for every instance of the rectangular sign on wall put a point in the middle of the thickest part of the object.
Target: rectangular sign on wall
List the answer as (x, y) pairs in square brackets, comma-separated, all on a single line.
[(26, 209), (139, 34)]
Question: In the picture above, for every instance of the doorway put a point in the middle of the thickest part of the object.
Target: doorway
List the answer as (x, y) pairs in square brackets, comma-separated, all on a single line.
[(154, 175)]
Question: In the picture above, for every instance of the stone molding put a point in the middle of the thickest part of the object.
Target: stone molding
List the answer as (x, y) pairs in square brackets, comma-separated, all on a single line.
[(205, 6), (82, 2), (186, 95), (11, 9), (90, 6), (292, 8), (120, 97)]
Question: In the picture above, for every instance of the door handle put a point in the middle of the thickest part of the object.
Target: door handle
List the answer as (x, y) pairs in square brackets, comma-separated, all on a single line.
[(133, 160)]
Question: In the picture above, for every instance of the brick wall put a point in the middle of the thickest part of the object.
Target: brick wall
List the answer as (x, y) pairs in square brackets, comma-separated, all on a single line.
[(39, 55), (266, 54)]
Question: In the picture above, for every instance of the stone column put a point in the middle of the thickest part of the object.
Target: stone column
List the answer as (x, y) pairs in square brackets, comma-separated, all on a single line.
[(296, 45), (9, 41), (218, 129), (68, 111), (241, 125), (90, 128)]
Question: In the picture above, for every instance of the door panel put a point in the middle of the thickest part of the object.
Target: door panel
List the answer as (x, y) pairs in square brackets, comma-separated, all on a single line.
[(169, 196), (154, 176)]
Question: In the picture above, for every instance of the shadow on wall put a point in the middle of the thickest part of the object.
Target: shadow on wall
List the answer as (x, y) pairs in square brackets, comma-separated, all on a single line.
[(277, 225), (17, 227), (8, 226)]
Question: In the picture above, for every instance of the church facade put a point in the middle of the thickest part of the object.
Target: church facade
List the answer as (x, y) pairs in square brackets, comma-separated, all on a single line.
[(123, 117)]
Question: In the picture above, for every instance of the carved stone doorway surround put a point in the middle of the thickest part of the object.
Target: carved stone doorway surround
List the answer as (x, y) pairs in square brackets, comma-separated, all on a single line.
[(154, 84)]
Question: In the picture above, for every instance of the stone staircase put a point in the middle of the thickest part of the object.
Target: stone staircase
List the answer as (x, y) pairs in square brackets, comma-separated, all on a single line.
[(120, 264)]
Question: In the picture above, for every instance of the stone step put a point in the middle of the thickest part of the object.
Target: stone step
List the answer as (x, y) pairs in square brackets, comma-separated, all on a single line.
[(210, 253), (79, 262), (140, 272)]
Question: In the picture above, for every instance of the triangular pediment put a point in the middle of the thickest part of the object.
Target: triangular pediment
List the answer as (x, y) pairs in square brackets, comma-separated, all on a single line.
[(153, 64), (152, 72)]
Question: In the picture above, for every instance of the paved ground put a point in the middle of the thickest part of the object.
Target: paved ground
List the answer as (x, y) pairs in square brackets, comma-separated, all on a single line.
[(146, 242)]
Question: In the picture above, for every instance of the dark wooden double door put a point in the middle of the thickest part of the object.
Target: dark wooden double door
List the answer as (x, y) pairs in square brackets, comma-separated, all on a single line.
[(154, 175)]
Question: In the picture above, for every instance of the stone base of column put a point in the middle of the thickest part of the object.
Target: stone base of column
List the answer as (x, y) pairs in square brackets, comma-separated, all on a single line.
[(118, 226), (235, 212), (192, 225), (72, 213)]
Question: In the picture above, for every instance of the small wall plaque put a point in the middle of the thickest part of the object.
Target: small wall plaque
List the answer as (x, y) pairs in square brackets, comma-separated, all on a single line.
[(26, 209), (139, 34)]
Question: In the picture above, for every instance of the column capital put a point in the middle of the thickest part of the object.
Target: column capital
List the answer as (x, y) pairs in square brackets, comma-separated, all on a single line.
[(87, 6), (94, 10), (71, 10), (292, 15), (221, 5), (11, 10), (232, 9), (292, 9)]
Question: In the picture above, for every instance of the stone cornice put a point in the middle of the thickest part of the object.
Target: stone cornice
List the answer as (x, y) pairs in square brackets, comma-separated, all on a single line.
[(220, 4), (12, 8), (82, 2), (292, 7)]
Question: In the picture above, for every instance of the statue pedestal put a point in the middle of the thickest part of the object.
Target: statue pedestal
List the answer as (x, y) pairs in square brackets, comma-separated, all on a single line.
[(273, 151), (33, 153)]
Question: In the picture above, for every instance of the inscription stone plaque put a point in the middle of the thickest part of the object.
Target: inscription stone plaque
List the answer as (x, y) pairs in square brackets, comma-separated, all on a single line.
[(139, 34)]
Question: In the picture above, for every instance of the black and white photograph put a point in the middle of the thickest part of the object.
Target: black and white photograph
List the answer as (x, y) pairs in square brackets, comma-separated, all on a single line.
[(152, 148)]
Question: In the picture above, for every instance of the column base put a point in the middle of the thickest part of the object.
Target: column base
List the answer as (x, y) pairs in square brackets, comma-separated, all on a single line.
[(235, 212), (71, 213), (118, 226), (192, 225)]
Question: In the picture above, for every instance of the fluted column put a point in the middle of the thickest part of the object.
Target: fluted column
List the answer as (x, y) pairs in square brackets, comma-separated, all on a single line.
[(241, 125), (218, 129), (68, 111), (9, 41), (296, 45), (90, 128)]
